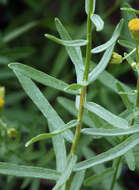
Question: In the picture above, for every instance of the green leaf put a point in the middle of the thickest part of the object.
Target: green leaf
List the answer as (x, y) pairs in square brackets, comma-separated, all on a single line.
[(110, 132), (106, 115), (43, 136), (73, 52), (124, 96), (77, 180), (74, 87), (98, 22), (41, 77), (111, 154), (130, 159), (130, 10), (66, 173), (41, 102), (70, 43), (19, 31), (127, 44), (113, 39), (93, 75), (28, 171), (99, 178), (87, 6)]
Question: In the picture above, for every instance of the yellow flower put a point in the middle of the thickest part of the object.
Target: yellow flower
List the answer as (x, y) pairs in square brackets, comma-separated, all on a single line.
[(134, 28), (1, 102), (12, 132)]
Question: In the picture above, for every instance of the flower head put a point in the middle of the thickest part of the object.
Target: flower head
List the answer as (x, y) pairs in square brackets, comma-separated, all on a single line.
[(134, 28), (116, 58)]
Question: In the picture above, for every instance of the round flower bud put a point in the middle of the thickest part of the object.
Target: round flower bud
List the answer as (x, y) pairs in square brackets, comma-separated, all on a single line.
[(116, 58), (12, 132), (134, 28), (133, 65)]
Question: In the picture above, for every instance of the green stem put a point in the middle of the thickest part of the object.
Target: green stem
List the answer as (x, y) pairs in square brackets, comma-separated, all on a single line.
[(83, 91), (85, 78), (115, 173)]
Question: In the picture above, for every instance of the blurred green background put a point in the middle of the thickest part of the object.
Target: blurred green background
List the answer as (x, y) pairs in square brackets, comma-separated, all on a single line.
[(23, 24)]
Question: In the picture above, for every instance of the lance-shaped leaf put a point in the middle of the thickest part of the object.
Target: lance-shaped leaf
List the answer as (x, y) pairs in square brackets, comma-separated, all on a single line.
[(113, 39), (101, 66), (41, 102), (130, 159), (43, 136), (111, 154), (110, 132), (41, 77), (70, 43), (77, 180), (66, 173), (98, 178), (130, 10), (87, 6), (106, 115), (28, 171), (73, 52), (127, 44), (98, 22)]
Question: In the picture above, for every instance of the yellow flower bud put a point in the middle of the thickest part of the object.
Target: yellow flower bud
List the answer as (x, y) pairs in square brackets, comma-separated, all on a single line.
[(1, 102), (12, 132), (116, 58), (134, 28), (133, 65)]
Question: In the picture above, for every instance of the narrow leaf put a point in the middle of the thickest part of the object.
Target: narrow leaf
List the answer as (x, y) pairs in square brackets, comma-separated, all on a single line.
[(130, 10), (113, 39), (70, 43), (98, 22), (77, 180), (106, 115), (130, 159), (73, 52), (102, 65), (41, 77), (87, 6), (41, 102), (66, 173), (111, 154), (110, 132), (43, 136), (28, 171), (127, 44)]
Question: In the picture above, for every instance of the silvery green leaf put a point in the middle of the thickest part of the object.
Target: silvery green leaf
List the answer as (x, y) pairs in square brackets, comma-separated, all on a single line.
[(98, 22), (111, 154), (113, 39), (70, 43)]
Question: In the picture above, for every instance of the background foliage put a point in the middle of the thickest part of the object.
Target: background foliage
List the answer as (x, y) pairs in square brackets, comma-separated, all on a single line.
[(23, 25)]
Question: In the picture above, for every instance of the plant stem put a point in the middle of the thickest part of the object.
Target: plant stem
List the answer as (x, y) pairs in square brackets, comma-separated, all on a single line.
[(83, 91), (85, 78), (115, 173)]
